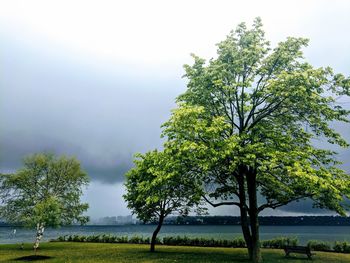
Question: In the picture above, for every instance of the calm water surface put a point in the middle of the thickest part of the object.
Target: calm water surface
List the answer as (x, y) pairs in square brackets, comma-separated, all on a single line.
[(303, 233)]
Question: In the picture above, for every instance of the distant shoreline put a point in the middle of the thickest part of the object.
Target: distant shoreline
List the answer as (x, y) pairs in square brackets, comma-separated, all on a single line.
[(263, 220), (235, 221)]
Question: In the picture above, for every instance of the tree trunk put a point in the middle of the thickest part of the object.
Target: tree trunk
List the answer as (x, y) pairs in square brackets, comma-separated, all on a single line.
[(244, 214), (255, 254), (155, 233), (250, 225), (39, 234), (246, 231)]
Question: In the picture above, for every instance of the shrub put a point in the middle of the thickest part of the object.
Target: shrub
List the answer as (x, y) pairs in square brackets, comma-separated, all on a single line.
[(203, 242), (140, 240), (108, 239), (93, 238), (77, 238), (279, 242), (61, 239), (238, 242), (346, 247), (342, 247), (122, 239), (319, 245)]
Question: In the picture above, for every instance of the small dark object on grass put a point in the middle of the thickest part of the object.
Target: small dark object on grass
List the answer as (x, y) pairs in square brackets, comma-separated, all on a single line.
[(32, 258), (298, 249), (22, 246)]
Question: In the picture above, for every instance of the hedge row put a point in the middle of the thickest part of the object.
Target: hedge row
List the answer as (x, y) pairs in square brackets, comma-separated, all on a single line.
[(280, 242), (202, 242), (105, 239), (341, 247), (170, 240)]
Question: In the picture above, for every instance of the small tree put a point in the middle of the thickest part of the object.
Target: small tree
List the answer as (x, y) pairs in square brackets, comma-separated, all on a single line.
[(248, 120), (156, 188), (46, 192)]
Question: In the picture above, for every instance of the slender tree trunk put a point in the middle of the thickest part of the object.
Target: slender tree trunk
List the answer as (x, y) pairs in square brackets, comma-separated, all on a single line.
[(253, 216), (39, 234), (250, 225), (155, 233), (246, 232), (244, 216), (255, 253)]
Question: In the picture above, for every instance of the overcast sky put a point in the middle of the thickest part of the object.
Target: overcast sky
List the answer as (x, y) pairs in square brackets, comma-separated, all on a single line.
[(96, 79)]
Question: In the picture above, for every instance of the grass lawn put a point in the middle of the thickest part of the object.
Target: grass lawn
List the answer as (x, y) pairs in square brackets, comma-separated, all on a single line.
[(97, 252)]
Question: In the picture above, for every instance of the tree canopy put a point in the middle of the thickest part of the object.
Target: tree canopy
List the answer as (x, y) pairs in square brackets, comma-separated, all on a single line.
[(45, 192), (248, 121), (157, 188)]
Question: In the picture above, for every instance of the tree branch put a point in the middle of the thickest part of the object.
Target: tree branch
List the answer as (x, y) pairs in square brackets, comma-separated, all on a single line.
[(219, 204)]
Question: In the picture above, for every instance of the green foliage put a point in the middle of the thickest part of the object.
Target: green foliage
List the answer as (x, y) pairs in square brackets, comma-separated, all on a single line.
[(170, 240), (156, 187), (319, 245), (180, 241), (279, 242), (46, 190), (203, 242), (342, 247), (140, 240)]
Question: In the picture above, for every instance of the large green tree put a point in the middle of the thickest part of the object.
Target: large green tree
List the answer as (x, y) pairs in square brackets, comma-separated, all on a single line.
[(248, 120), (44, 193), (156, 188)]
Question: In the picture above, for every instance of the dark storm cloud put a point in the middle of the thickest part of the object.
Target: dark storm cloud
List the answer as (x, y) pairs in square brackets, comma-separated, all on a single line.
[(17, 145), (54, 104), (305, 206)]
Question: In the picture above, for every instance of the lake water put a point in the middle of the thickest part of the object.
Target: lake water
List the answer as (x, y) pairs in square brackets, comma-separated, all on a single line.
[(303, 233)]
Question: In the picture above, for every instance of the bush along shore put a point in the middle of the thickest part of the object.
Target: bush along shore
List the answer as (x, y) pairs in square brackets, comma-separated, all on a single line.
[(280, 242)]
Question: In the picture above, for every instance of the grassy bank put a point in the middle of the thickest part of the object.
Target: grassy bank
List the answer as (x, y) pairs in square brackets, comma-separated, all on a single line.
[(125, 253)]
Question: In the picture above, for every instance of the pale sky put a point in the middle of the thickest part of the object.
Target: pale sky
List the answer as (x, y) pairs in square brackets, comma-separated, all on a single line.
[(96, 79)]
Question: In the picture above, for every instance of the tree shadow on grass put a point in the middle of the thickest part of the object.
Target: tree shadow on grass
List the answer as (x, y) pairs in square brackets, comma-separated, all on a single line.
[(32, 258)]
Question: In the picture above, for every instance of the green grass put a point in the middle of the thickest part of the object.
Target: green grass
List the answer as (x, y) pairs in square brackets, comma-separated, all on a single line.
[(130, 253)]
